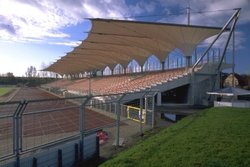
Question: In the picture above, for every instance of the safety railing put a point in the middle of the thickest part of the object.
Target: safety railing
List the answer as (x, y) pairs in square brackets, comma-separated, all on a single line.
[(30, 127)]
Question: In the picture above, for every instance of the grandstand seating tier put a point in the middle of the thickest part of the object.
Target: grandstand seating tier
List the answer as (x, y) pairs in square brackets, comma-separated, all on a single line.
[(119, 84)]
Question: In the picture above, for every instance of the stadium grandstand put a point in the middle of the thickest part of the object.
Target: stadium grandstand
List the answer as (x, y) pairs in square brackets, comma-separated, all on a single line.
[(116, 76), (115, 58)]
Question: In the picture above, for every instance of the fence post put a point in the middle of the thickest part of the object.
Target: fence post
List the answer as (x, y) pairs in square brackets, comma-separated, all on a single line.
[(82, 132), (82, 127), (118, 114), (15, 126), (59, 158), (153, 111), (17, 134), (21, 125), (97, 148), (146, 104), (16, 139), (140, 116), (76, 153), (117, 110), (34, 162)]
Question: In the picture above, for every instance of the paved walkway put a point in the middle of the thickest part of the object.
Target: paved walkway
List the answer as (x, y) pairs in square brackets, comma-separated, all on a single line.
[(130, 133)]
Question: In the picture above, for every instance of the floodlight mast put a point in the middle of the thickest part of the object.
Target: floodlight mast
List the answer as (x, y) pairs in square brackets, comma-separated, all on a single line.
[(188, 13)]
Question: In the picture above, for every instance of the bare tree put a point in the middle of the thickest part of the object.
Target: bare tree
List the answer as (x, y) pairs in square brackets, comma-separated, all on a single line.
[(46, 74), (43, 74), (31, 71)]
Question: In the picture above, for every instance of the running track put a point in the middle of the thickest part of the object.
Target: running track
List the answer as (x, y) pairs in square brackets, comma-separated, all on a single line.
[(56, 122)]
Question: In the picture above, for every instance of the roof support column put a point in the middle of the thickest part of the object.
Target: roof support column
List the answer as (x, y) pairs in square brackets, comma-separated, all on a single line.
[(195, 54), (188, 61), (208, 57), (141, 68), (168, 62), (158, 99), (213, 58), (181, 61), (219, 55), (233, 18), (162, 65)]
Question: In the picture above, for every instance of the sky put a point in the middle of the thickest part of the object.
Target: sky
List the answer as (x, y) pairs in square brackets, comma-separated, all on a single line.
[(39, 32)]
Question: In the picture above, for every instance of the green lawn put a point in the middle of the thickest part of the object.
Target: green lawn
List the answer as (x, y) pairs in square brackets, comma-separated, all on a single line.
[(213, 138), (4, 90)]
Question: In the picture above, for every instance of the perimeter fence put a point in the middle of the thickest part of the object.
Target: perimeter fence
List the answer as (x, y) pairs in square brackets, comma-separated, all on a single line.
[(64, 131)]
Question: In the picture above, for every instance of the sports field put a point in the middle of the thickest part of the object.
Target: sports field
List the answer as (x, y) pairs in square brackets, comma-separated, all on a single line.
[(4, 90), (214, 137)]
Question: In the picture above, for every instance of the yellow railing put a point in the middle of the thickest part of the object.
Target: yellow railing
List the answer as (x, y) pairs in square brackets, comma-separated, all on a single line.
[(133, 113)]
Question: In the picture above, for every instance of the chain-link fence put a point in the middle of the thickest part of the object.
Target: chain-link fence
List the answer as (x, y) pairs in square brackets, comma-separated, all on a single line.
[(33, 130), (132, 118), (37, 128), (7, 125)]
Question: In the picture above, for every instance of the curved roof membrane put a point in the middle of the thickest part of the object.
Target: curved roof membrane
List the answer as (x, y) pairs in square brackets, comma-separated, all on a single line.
[(114, 42)]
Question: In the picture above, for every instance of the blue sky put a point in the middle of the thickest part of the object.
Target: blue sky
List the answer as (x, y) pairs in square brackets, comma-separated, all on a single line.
[(38, 32)]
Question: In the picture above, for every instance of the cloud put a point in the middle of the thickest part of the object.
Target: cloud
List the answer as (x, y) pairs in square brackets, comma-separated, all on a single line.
[(7, 25), (142, 7), (209, 12), (27, 20), (32, 22), (67, 43), (105, 9), (39, 20)]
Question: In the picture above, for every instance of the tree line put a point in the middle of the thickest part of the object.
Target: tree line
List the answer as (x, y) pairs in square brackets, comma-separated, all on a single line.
[(33, 77), (33, 72)]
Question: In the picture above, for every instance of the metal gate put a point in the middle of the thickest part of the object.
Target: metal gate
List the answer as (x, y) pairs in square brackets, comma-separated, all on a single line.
[(134, 113)]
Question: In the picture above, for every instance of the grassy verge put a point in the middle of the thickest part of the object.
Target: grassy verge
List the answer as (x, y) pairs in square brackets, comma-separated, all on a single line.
[(215, 137), (4, 90)]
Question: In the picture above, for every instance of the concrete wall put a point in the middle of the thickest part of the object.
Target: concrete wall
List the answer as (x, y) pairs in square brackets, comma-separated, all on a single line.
[(238, 104), (49, 156)]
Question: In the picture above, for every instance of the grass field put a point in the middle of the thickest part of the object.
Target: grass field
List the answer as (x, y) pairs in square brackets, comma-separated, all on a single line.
[(4, 90), (213, 138)]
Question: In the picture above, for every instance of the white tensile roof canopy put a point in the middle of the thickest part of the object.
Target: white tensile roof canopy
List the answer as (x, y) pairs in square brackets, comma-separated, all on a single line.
[(112, 42)]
